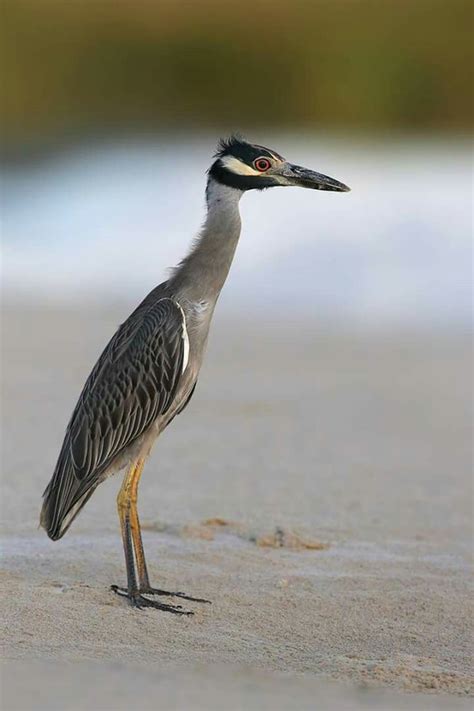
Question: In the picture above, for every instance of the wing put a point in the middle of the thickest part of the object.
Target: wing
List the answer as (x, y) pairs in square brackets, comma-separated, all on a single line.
[(134, 381)]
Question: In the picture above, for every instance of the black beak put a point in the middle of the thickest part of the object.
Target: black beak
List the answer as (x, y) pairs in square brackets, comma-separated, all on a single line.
[(304, 178)]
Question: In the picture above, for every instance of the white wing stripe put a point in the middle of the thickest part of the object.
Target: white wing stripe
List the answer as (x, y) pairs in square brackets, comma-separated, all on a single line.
[(185, 338)]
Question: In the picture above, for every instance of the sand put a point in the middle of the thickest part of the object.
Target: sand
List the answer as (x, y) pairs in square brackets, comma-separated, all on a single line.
[(317, 490)]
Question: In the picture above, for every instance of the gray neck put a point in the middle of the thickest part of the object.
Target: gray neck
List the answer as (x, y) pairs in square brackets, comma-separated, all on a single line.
[(202, 273)]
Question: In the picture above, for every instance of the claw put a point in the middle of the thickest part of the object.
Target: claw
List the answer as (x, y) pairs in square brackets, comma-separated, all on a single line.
[(139, 602), (183, 596)]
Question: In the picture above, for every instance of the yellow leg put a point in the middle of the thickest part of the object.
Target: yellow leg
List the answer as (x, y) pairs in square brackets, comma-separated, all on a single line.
[(133, 547), (130, 525), (135, 526)]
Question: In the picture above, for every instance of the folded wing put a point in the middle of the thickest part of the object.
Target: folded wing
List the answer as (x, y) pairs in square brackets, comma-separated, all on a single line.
[(134, 382)]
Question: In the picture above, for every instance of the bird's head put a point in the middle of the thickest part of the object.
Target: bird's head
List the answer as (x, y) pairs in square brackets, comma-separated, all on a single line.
[(247, 166)]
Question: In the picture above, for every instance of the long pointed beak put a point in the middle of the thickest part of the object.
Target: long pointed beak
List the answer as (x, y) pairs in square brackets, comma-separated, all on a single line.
[(304, 178)]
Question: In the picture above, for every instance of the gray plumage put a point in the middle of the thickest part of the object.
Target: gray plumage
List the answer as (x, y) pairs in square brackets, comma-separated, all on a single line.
[(133, 383), (147, 373)]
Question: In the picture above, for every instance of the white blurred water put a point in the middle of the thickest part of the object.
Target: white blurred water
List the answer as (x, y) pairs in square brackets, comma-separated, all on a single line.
[(105, 223)]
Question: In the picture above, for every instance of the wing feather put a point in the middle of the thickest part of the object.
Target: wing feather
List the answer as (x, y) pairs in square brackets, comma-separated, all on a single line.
[(134, 381)]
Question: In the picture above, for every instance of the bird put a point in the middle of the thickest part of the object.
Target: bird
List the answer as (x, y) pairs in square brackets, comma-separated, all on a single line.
[(148, 371)]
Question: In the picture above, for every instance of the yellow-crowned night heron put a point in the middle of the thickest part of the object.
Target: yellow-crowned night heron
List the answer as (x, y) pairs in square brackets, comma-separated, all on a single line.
[(148, 371)]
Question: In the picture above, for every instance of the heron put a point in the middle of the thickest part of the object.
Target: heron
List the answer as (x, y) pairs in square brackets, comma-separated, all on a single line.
[(148, 371)]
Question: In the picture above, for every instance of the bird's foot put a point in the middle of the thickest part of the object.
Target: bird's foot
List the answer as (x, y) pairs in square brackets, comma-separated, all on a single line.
[(166, 593), (137, 600), (157, 591)]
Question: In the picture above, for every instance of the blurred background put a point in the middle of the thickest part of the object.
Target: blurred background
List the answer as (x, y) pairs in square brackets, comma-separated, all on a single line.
[(112, 111), (334, 400)]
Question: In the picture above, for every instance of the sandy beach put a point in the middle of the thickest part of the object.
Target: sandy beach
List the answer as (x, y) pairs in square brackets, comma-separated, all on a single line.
[(317, 490)]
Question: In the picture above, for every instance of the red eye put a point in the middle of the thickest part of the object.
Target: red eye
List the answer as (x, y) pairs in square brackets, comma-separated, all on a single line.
[(262, 164)]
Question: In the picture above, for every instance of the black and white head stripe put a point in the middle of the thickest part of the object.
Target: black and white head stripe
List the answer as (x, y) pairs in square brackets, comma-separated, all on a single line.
[(244, 165), (248, 152), (247, 166)]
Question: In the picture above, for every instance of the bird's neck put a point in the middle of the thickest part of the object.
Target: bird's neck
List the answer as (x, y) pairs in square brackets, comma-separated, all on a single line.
[(202, 273)]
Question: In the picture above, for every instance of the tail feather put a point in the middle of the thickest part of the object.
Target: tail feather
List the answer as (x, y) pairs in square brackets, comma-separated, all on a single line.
[(63, 498)]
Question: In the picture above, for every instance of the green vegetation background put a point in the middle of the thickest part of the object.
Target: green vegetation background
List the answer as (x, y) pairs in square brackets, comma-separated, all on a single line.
[(76, 66)]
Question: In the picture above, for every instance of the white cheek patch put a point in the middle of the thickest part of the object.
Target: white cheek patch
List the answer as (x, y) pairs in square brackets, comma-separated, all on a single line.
[(236, 166)]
